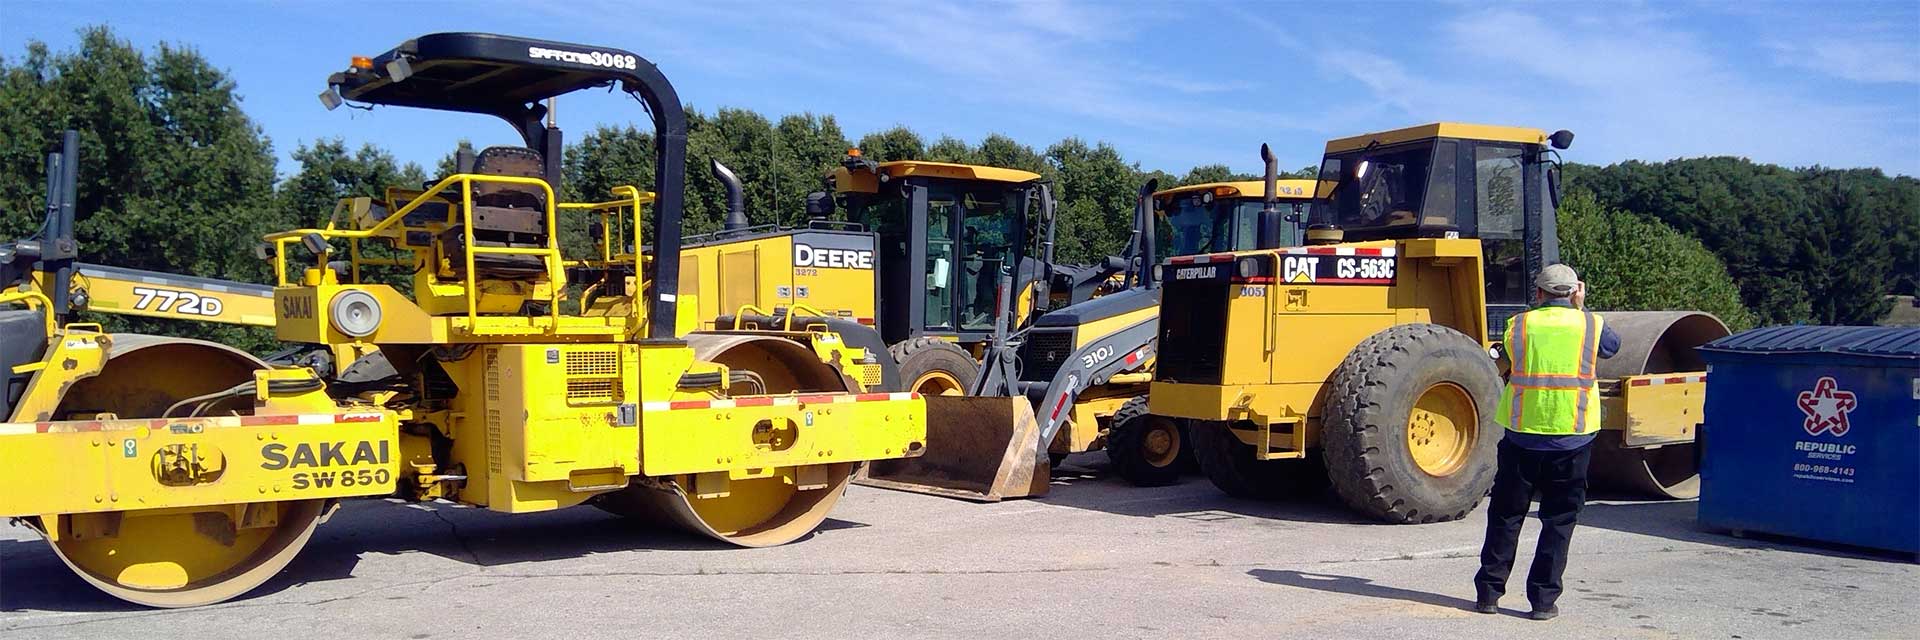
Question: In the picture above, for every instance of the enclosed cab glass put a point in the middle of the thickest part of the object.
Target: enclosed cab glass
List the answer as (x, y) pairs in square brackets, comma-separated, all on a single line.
[(1219, 217), (1449, 180), (948, 231)]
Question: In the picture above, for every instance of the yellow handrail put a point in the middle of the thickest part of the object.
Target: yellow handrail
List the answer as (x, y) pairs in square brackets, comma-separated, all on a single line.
[(33, 298), (740, 315), (555, 262)]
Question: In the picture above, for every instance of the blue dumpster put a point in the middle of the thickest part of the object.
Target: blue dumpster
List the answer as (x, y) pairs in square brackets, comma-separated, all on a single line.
[(1814, 432)]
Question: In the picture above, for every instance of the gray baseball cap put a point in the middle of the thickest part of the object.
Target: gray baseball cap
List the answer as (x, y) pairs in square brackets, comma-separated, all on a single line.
[(1558, 280)]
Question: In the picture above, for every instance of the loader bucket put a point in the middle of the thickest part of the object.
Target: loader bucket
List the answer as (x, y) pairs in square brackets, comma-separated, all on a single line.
[(985, 449)]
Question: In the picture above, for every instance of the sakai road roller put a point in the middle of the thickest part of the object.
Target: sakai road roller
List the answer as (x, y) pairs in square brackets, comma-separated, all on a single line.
[(173, 472), (1364, 359)]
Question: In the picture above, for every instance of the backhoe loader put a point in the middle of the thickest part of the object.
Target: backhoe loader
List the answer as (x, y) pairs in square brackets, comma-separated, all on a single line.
[(1362, 360), (172, 472), (1076, 379)]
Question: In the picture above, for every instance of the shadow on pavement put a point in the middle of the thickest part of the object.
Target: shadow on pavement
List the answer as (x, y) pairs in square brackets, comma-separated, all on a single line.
[(32, 577), (1356, 586), (1086, 481), (1679, 521)]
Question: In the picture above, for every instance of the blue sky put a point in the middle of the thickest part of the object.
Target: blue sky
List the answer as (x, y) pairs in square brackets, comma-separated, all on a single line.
[(1171, 84)]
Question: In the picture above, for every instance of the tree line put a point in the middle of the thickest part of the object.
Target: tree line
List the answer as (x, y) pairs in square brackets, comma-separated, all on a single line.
[(176, 177)]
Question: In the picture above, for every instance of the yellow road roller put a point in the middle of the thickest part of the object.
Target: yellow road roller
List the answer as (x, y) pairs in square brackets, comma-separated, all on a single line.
[(1362, 359), (504, 374)]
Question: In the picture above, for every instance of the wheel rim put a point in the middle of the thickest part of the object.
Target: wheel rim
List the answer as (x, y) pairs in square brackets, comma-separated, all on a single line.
[(938, 383), (1442, 429), (1162, 443)]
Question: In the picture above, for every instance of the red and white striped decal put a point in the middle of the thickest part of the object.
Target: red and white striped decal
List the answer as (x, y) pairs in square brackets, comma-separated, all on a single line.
[(1206, 259), (221, 422), (1654, 382), (778, 401), (1136, 356), (1383, 252)]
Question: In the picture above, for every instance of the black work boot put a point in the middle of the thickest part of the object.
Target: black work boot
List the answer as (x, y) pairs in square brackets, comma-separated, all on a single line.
[(1544, 613)]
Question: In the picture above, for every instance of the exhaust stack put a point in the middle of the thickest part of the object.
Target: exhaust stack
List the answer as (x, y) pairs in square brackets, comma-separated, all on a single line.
[(736, 197), (1270, 215)]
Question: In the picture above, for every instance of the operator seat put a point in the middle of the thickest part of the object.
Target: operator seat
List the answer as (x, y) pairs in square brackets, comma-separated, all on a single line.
[(504, 215)]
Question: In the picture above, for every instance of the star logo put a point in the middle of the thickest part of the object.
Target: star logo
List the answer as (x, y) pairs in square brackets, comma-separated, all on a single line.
[(1826, 407)]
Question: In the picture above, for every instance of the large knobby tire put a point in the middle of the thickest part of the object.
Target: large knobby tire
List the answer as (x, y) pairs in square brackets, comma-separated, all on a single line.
[(1399, 465), (1146, 450), (932, 366), (1229, 464)]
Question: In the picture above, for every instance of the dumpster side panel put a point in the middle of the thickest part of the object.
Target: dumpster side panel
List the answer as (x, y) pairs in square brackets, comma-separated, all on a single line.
[(1813, 446)]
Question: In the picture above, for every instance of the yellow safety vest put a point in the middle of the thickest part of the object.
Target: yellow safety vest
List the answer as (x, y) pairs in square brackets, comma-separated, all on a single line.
[(1553, 389)]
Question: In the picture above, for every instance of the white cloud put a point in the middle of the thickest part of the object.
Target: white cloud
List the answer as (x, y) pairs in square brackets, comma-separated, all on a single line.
[(1634, 85), (1856, 60)]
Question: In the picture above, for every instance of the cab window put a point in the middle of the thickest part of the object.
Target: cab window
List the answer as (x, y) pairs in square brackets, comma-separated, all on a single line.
[(1382, 189), (1499, 199)]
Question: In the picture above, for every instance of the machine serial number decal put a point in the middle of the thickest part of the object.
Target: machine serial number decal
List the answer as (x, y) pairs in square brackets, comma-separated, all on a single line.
[(181, 302), (595, 58), (1373, 270), (1096, 356), (343, 477)]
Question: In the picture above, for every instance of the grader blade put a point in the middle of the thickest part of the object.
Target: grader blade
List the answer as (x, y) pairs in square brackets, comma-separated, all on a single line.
[(985, 449)]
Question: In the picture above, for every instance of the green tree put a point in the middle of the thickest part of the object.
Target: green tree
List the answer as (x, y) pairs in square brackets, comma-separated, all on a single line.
[(329, 173), (897, 143), (1096, 190), (951, 149), (173, 175), (1211, 173), (1847, 253), (808, 147), (1633, 263), (1786, 235)]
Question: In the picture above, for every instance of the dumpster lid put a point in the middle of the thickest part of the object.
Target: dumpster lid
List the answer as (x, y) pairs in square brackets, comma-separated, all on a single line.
[(1885, 342)]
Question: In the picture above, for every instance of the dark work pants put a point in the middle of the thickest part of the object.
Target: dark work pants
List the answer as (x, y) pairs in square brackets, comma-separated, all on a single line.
[(1560, 478)]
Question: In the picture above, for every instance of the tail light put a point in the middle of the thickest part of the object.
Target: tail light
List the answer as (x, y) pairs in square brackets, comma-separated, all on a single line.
[(1253, 269)]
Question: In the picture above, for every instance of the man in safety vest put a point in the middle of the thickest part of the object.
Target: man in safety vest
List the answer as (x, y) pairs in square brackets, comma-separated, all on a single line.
[(1551, 411)]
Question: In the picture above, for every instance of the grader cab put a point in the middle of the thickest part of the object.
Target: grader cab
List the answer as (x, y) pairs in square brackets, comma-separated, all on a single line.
[(507, 373), (916, 255), (1364, 362)]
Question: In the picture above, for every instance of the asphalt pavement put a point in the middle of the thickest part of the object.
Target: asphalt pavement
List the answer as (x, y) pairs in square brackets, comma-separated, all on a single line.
[(1096, 558)]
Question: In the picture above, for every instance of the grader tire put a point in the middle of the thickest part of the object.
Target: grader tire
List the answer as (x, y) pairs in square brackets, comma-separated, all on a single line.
[(935, 367), (1146, 450), (1408, 434), (1229, 464)]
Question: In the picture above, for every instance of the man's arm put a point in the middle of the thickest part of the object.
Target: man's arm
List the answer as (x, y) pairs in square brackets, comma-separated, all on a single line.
[(1609, 342)]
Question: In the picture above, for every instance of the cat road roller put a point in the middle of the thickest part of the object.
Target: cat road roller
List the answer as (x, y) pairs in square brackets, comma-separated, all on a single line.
[(1364, 358), (172, 472)]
